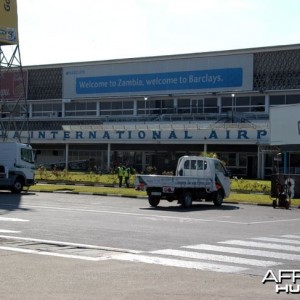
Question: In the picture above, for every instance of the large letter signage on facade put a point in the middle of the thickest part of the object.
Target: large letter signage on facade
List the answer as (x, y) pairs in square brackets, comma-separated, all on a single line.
[(144, 136)]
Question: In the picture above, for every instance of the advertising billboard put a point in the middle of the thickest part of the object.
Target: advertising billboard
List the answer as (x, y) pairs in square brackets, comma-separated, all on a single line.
[(159, 76), (285, 124), (12, 85), (8, 22)]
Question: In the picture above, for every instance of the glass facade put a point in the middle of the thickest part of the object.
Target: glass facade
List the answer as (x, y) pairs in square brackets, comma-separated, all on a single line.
[(172, 106)]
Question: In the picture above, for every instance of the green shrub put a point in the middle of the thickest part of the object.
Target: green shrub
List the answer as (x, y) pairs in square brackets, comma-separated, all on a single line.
[(250, 186), (89, 177)]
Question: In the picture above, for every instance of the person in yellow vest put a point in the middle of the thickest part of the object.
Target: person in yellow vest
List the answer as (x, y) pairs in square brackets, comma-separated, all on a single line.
[(127, 176), (120, 174)]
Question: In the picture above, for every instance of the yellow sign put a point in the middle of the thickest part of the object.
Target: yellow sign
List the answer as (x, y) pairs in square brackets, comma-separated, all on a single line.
[(8, 22)]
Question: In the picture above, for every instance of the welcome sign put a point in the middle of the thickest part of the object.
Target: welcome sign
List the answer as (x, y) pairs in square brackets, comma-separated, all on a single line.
[(172, 81), (159, 76)]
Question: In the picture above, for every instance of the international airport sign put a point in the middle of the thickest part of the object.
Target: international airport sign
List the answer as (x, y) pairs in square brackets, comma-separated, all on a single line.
[(159, 76), (8, 22), (148, 136)]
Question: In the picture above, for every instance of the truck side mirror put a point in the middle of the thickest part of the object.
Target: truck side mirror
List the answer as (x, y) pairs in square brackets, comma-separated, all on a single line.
[(180, 173)]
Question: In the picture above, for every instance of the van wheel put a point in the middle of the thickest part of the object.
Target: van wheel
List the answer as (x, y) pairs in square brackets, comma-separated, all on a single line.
[(17, 186), (218, 199), (153, 201), (186, 200)]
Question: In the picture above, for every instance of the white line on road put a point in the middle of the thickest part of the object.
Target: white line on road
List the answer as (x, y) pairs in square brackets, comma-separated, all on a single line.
[(250, 252), (29, 251), (69, 244), (274, 221), (12, 220), (213, 257), (9, 231), (262, 245), (178, 263), (291, 236), (139, 215), (216, 220)]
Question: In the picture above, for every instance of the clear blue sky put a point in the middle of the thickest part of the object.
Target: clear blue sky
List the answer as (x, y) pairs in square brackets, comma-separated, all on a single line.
[(87, 30)]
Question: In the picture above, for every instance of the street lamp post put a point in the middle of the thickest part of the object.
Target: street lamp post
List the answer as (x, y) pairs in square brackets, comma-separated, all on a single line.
[(145, 98), (233, 107)]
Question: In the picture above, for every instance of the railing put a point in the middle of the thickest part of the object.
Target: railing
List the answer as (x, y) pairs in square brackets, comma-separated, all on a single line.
[(214, 119)]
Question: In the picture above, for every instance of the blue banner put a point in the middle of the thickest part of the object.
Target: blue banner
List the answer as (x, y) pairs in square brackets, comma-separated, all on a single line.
[(157, 82)]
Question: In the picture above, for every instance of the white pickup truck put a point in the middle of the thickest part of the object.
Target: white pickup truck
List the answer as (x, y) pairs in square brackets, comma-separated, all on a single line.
[(197, 179)]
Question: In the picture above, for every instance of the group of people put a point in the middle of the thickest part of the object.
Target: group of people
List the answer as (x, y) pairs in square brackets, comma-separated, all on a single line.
[(123, 172)]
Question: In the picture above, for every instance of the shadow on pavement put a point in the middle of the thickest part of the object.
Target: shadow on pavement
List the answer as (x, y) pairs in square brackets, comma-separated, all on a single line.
[(11, 202), (194, 207)]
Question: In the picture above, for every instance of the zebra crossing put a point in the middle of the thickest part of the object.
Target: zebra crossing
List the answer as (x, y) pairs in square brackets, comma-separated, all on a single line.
[(253, 255), (247, 256)]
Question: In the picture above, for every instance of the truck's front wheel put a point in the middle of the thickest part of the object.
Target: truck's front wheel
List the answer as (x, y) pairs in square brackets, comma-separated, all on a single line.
[(218, 198), (17, 186), (153, 200)]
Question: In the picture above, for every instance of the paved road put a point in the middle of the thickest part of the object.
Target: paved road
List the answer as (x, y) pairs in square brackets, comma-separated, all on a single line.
[(62, 246)]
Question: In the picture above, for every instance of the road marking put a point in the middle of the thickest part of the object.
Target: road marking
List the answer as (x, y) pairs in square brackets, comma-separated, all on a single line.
[(9, 231), (276, 240), (274, 221), (217, 220), (69, 244), (291, 236), (29, 251), (222, 258), (139, 215), (178, 263), (250, 252), (198, 260), (262, 245), (12, 220)]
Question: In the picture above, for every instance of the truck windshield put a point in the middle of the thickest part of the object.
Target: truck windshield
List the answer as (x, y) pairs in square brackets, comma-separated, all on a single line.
[(220, 168), (26, 155)]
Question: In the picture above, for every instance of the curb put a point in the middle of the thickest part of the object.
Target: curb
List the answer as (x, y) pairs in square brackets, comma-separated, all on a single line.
[(77, 184)]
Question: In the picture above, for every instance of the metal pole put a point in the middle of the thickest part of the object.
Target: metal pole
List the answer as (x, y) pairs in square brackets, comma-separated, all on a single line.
[(108, 156), (67, 157)]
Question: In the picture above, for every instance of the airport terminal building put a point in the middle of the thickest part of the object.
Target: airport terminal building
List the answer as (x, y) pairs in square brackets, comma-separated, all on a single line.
[(149, 111)]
